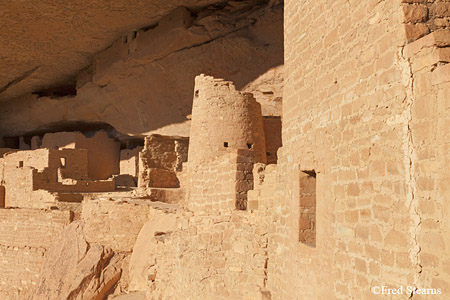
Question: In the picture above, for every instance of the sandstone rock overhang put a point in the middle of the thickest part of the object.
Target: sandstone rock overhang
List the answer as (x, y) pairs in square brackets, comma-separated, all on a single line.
[(46, 43)]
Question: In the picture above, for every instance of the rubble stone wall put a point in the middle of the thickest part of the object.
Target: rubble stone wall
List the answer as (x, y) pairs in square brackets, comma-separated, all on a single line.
[(425, 16)]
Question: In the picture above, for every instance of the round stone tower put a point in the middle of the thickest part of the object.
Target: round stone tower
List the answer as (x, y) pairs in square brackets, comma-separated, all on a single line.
[(223, 119)]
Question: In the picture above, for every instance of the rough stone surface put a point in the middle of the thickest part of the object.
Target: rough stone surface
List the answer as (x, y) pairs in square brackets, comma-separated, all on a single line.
[(25, 236), (145, 254), (357, 198), (47, 43), (217, 104), (424, 16), (153, 93), (114, 224), (160, 160), (74, 269)]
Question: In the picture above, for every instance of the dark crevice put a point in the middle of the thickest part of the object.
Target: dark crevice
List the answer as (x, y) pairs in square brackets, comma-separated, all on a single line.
[(68, 89)]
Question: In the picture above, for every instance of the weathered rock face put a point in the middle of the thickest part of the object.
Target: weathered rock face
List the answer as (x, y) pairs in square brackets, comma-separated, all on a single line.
[(144, 84), (73, 269), (47, 43)]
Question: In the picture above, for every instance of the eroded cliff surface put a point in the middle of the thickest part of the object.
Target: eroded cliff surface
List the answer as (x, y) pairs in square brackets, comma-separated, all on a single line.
[(143, 83), (44, 43)]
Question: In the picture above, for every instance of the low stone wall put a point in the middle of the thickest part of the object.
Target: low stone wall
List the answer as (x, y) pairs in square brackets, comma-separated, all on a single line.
[(113, 224), (25, 236), (188, 255)]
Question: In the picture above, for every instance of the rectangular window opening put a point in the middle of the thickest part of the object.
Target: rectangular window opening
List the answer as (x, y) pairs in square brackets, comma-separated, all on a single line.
[(307, 208), (21, 164)]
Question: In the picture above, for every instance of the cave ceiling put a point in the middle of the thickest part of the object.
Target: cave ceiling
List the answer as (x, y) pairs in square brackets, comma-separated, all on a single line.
[(46, 43)]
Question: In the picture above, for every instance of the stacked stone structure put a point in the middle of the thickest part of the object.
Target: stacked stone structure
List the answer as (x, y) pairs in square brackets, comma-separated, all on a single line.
[(354, 205)]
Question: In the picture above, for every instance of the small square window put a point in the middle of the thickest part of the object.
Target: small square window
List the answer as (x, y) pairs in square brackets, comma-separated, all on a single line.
[(21, 164), (225, 144)]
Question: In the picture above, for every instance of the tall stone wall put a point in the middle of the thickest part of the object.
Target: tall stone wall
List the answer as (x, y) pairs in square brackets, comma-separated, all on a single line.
[(161, 159), (198, 255), (346, 115), (430, 77)]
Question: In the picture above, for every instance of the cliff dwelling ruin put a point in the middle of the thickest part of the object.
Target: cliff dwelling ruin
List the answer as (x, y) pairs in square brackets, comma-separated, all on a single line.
[(254, 150)]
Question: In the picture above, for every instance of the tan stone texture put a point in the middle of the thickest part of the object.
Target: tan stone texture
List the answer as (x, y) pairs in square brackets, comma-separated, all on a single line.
[(217, 104), (74, 269), (35, 36), (148, 82), (29, 176), (424, 16), (354, 193), (160, 160), (129, 161), (103, 156), (25, 236), (113, 224)]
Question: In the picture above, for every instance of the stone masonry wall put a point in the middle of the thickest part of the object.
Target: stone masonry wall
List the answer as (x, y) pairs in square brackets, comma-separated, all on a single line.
[(103, 152), (29, 176), (425, 16), (198, 255), (223, 117), (113, 224), (430, 74), (160, 159), (25, 235), (346, 110), (222, 183), (129, 163)]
